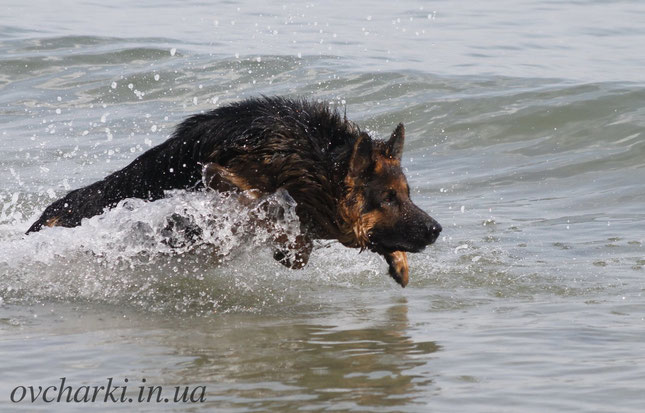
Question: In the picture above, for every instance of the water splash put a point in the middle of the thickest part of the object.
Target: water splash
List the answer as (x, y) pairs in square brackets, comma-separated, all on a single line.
[(170, 253)]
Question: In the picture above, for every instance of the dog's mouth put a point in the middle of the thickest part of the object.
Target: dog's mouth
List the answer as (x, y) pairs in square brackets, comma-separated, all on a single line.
[(408, 239), (403, 248), (388, 248)]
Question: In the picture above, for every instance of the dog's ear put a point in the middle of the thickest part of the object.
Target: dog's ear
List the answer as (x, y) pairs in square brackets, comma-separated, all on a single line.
[(395, 144), (361, 155)]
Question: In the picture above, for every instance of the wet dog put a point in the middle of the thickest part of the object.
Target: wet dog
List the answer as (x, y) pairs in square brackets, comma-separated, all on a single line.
[(347, 186)]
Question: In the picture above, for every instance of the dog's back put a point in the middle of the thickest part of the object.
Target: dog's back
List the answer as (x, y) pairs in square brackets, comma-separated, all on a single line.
[(271, 142)]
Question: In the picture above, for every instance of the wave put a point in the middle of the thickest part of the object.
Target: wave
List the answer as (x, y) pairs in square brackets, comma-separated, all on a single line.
[(513, 168)]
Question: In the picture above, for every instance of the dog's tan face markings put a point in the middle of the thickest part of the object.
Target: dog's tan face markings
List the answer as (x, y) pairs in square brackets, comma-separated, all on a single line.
[(386, 194), (390, 191), (376, 185), (377, 209)]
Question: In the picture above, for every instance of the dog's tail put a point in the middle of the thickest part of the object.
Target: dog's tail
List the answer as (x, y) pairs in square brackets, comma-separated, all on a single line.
[(83, 203), (167, 166), (67, 211)]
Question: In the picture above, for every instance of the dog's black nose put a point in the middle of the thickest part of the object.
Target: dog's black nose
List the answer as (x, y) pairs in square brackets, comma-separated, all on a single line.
[(433, 229)]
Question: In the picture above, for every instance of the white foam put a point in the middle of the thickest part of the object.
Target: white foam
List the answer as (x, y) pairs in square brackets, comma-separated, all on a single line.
[(131, 255)]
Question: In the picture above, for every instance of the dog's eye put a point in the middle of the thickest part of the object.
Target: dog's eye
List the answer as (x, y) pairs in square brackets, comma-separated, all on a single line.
[(390, 197)]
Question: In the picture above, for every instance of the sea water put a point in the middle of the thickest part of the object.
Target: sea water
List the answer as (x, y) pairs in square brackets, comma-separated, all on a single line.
[(524, 139)]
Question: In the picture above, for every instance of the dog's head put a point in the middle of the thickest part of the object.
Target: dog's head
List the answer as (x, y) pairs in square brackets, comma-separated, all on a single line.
[(377, 202)]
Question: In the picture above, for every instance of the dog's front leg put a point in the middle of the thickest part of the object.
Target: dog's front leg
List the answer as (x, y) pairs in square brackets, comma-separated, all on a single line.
[(294, 255), (222, 179), (399, 270)]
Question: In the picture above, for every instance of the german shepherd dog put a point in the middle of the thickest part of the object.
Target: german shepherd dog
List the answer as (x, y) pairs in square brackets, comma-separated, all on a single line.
[(347, 186)]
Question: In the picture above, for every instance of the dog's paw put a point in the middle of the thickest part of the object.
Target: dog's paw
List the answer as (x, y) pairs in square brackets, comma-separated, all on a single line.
[(180, 231), (289, 259), (399, 269), (294, 255)]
